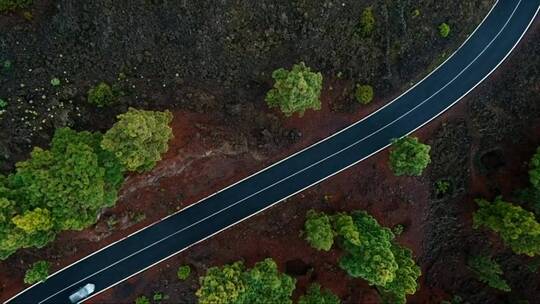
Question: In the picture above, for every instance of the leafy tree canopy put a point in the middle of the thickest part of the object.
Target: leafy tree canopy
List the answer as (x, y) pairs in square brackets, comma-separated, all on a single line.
[(295, 91), (517, 227), (489, 272), (344, 227), (315, 295), (318, 228), (37, 273), (139, 138), (407, 275), (408, 156)]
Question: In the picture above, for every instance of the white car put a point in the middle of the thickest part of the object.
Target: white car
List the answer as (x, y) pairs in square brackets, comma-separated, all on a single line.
[(82, 293)]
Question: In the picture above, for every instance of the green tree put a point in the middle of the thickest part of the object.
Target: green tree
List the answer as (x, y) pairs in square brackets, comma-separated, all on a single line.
[(233, 284), (444, 30), (407, 274), (183, 272), (37, 273), (534, 172), (408, 156), (367, 22), (139, 138), (344, 227), (517, 227), (489, 272), (101, 95), (364, 94), (315, 295), (373, 260), (318, 228), (295, 91)]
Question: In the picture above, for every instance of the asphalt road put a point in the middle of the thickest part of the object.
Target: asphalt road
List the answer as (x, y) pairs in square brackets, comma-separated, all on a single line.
[(485, 49)]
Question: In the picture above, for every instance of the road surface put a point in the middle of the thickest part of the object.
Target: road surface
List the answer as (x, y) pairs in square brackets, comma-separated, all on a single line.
[(482, 53)]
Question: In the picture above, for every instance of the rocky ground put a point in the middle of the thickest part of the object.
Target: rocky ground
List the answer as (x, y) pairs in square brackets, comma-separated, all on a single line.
[(210, 62)]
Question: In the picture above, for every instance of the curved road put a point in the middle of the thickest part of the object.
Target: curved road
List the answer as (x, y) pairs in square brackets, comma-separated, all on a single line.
[(485, 49)]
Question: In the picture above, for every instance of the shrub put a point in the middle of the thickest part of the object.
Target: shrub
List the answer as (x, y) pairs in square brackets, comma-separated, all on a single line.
[(367, 22), (489, 272), (234, 284), (408, 156), (444, 30), (406, 276), (319, 233), (315, 295), (139, 138), (295, 91), (10, 5), (55, 82), (183, 272), (534, 172), (37, 273), (142, 300), (517, 227), (3, 104), (364, 94), (101, 95)]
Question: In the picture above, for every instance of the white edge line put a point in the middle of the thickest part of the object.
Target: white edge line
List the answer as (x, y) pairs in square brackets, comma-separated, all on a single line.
[(282, 160), (331, 175)]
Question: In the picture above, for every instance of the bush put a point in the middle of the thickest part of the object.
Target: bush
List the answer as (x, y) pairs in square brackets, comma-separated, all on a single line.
[(534, 172), (444, 30), (367, 22), (37, 273), (318, 228), (183, 272), (295, 91), (407, 275), (408, 156), (139, 138), (489, 272), (10, 5), (234, 284), (101, 95), (364, 94), (517, 227), (344, 227), (142, 300), (314, 295)]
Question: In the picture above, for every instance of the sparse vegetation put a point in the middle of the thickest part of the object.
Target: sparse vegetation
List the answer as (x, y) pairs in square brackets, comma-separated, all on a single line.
[(37, 273), (444, 29), (142, 300), (409, 157), (367, 22), (534, 172), (517, 227), (364, 94), (295, 91), (10, 5), (315, 295), (183, 272), (101, 95), (488, 271)]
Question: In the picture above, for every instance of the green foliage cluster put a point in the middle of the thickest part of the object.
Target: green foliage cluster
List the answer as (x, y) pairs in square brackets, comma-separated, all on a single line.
[(233, 284), (489, 272), (444, 29), (37, 273), (406, 275), (315, 295), (295, 91), (183, 272), (409, 157), (101, 95), (318, 229), (344, 226), (517, 227), (367, 22), (534, 172), (10, 5), (142, 300), (364, 94), (139, 138), (3, 104), (55, 82)]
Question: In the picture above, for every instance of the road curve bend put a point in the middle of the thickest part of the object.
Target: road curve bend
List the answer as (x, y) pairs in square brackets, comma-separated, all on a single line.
[(485, 49)]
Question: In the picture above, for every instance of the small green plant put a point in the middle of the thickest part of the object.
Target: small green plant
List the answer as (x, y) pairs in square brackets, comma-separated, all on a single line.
[(37, 273), (489, 272), (295, 91), (415, 13), (101, 95), (3, 104), (398, 229), (142, 300), (183, 272), (367, 22), (364, 94), (315, 295), (442, 187), (11, 5), (409, 157), (158, 296), (55, 82), (444, 29), (534, 172), (6, 65)]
